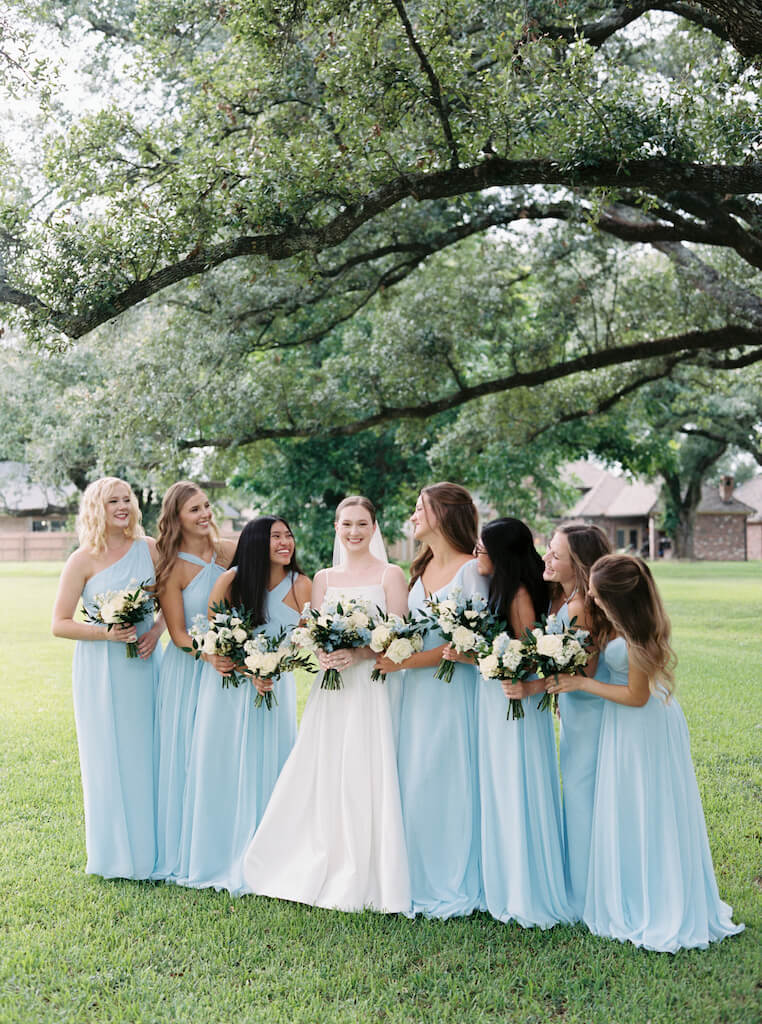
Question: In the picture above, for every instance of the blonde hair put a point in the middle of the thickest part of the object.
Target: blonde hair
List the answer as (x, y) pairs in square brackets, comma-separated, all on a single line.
[(91, 518), (627, 594), (170, 533)]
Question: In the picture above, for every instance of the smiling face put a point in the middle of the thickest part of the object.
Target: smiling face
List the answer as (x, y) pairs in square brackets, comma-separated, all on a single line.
[(484, 564), (282, 544), (354, 528), (118, 507), (424, 518), (558, 563), (196, 515)]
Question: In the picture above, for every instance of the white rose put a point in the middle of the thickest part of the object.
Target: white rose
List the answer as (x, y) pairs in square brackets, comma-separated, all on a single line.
[(210, 643), (550, 645), (512, 655), (447, 606), (399, 649), (108, 612), (537, 633), (358, 619), (380, 637), (239, 635), (471, 614), (489, 666), (253, 661), (463, 639), (269, 663)]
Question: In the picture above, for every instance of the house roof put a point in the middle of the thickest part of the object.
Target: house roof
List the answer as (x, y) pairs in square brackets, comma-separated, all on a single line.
[(609, 495), (712, 504), (751, 494), (21, 496)]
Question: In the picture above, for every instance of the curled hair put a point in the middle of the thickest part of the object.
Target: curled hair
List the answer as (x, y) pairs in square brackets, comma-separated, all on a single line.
[(169, 531), (510, 546), (252, 561), (627, 593), (357, 499), (457, 520), (587, 543), (91, 518)]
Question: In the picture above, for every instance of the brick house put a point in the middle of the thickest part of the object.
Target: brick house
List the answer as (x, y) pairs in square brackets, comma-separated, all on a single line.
[(626, 511), (751, 494), (33, 517)]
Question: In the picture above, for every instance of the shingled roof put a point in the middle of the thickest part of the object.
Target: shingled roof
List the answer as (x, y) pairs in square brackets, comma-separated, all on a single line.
[(609, 495)]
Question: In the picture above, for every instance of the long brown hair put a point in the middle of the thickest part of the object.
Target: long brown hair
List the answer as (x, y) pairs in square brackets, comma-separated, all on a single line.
[(627, 593), (357, 499), (457, 519), (587, 543), (169, 532)]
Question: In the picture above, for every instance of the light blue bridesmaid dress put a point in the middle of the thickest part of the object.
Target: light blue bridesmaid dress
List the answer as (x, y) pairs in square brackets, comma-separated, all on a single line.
[(578, 747), (439, 785), (236, 756), (176, 700), (521, 824), (113, 711), (650, 880)]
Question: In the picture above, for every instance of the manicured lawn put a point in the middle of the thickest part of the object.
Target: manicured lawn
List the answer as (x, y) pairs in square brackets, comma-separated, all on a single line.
[(76, 948)]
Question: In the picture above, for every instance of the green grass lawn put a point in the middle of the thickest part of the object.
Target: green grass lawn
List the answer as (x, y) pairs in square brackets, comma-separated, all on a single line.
[(77, 948)]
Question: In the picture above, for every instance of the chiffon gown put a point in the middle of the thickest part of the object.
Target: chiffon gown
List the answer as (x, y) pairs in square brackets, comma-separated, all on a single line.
[(438, 772), (332, 834), (521, 825), (176, 701), (113, 711), (581, 715), (236, 755), (651, 880)]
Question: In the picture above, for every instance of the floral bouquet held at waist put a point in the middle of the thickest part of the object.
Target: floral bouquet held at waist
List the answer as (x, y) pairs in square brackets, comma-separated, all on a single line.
[(506, 658), (340, 623), (225, 635), (556, 648), (466, 623), (124, 607), (268, 657), (397, 637)]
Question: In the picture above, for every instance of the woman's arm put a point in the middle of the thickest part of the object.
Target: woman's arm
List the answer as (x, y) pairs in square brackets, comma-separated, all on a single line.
[(302, 592), (70, 587), (635, 694), (171, 600)]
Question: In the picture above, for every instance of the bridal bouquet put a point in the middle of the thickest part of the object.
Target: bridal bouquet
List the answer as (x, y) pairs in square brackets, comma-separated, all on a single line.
[(339, 623), (225, 635), (466, 623), (268, 657), (507, 658), (124, 607), (555, 648), (397, 637)]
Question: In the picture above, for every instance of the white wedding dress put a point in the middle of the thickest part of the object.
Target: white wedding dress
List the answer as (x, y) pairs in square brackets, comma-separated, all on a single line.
[(332, 833)]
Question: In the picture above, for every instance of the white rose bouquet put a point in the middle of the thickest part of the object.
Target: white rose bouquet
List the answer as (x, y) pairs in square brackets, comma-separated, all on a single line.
[(466, 623), (397, 637), (554, 648), (506, 658), (268, 657), (340, 623), (225, 634), (124, 607)]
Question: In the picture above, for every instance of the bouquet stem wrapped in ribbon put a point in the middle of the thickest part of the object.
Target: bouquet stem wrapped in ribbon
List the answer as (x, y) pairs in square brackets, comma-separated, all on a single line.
[(124, 607)]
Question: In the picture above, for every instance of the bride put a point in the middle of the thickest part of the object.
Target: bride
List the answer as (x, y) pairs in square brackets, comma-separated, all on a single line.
[(332, 833)]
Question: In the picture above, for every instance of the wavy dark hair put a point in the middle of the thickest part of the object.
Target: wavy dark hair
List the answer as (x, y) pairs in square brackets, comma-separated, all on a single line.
[(510, 546), (252, 561)]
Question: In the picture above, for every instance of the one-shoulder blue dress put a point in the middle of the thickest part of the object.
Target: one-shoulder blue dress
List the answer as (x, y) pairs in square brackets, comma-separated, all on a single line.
[(650, 880), (113, 711), (581, 715), (438, 772), (176, 700), (237, 753)]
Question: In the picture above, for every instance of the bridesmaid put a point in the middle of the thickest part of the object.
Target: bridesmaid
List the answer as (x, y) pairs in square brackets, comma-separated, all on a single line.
[(437, 755), (651, 880), (191, 558), (238, 749), (113, 695), (521, 828), (572, 551)]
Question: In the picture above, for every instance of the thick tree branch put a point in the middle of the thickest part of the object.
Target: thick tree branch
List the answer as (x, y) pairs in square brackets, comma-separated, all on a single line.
[(655, 175), (704, 277), (725, 338)]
